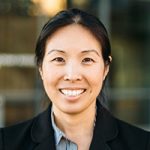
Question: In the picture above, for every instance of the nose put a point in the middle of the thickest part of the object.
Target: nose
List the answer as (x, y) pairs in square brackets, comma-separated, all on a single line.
[(72, 73)]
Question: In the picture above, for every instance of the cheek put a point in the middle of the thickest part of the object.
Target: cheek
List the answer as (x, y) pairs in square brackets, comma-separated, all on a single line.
[(97, 81), (96, 78), (98, 73), (51, 76)]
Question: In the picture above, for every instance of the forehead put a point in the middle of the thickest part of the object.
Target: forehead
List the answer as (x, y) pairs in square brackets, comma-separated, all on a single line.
[(74, 35)]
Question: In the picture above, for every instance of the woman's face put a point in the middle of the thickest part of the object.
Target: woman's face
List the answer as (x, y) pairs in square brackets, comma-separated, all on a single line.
[(73, 69)]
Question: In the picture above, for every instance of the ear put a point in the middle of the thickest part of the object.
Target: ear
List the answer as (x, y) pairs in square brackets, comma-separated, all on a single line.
[(110, 59), (41, 72), (106, 71), (107, 68)]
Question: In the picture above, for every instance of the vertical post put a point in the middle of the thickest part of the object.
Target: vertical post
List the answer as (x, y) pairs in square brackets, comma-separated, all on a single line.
[(104, 12), (41, 20), (2, 112)]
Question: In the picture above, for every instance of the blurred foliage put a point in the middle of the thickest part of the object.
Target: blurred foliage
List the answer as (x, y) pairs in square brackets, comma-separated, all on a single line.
[(15, 7)]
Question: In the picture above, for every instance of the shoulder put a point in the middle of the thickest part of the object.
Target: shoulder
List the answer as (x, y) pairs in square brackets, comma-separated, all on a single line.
[(19, 135), (19, 128), (13, 136), (130, 130), (133, 136), (120, 134), (122, 127), (24, 126)]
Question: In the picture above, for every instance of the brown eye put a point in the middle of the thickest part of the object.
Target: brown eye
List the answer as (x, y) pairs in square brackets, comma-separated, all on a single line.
[(58, 60), (87, 60)]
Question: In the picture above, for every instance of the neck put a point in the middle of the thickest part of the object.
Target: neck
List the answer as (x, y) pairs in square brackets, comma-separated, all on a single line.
[(82, 123)]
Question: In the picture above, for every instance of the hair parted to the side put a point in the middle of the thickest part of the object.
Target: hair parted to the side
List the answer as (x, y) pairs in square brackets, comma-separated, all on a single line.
[(73, 16)]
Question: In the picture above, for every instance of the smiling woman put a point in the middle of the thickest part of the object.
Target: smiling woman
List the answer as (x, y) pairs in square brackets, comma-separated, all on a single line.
[(65, 70), (73, 55)]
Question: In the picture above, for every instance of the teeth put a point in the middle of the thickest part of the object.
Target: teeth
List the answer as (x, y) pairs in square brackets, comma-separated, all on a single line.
[(72, 92)]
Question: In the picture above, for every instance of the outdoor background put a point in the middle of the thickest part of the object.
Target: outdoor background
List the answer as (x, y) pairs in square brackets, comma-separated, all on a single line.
[(128, 24)]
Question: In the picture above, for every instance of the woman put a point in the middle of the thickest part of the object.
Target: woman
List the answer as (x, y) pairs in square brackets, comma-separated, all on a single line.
[(73, 55)]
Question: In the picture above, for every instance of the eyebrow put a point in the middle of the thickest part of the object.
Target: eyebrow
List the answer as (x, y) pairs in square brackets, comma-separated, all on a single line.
[(84, 51), (56, 50), (89, 51)]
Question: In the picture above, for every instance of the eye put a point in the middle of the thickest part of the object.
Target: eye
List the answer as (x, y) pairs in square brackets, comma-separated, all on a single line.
[(88, 60), (58, 60)]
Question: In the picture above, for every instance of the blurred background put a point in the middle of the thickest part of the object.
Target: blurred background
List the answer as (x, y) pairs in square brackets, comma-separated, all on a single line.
[(128, 24)]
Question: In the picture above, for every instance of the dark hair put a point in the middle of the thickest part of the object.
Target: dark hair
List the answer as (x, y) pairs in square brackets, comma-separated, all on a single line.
[(73, 16)]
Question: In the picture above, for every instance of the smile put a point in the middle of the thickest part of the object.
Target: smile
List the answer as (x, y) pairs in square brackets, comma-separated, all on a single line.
[(72, 92)]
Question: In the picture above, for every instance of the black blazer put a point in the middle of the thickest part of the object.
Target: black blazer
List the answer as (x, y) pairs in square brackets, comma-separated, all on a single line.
[(109, 134)]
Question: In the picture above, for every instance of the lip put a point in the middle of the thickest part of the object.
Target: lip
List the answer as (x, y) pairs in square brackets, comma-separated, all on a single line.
[(72, 93)]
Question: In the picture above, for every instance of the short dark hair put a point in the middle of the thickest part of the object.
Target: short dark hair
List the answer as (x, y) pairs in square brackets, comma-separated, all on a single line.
[(73, 16)]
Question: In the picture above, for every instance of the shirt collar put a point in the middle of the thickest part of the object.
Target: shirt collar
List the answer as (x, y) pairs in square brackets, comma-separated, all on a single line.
[(57, 132)]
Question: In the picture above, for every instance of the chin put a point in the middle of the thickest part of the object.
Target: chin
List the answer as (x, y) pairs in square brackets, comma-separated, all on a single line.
[(73, 109), (72, 112)]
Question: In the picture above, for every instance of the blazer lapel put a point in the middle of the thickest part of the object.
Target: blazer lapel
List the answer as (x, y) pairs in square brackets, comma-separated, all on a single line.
[(42, 132), (47, 144), (105, 129)]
